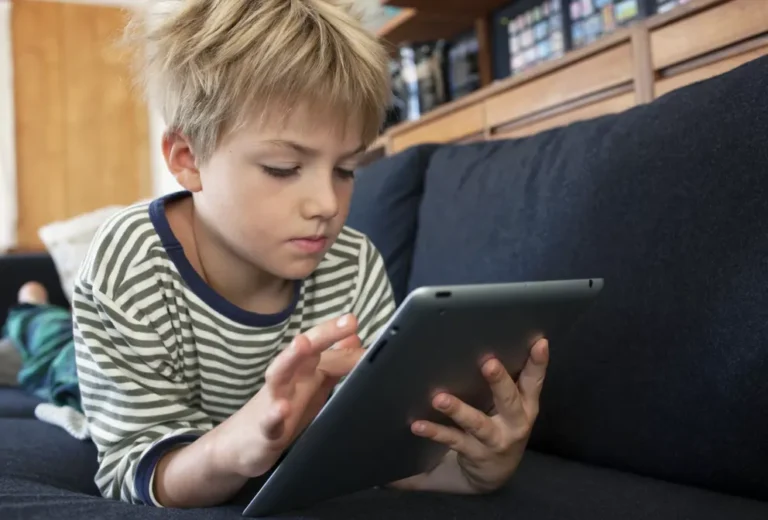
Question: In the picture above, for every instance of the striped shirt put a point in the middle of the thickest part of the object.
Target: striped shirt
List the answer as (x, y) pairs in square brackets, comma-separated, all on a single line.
[(162, 358)]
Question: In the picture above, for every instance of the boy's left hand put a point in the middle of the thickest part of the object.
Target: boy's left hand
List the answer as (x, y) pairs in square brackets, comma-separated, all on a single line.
[(488, 449)]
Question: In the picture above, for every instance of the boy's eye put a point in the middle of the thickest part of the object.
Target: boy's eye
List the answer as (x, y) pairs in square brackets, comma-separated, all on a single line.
[(288, 172), (344, 173), (280, 172)]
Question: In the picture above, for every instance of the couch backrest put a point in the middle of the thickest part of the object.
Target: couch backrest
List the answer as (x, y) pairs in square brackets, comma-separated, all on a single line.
[(667, 375), (385, 207)]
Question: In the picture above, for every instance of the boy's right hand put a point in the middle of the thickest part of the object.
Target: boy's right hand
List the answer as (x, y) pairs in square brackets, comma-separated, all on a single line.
[(297, 384)]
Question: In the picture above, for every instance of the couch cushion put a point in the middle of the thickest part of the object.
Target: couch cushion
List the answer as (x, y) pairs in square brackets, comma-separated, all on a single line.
[(40, 452), (546, 488), (666, 375), (385, 207), (15, 402)]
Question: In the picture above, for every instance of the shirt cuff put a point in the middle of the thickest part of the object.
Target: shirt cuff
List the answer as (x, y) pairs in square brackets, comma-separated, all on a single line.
[(145, 470)]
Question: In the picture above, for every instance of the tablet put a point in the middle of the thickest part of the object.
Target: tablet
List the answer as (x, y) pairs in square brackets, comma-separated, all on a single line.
[(435, 341)]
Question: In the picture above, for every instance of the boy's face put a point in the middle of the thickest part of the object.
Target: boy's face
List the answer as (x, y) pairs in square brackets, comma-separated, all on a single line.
[(276, 194)]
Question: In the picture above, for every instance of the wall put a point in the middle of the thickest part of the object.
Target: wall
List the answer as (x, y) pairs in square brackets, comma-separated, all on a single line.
[(72, 156), (82, 129), (8, 211), (162, 180)]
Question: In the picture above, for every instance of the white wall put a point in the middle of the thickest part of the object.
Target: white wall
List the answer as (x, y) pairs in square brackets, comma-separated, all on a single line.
[(162, 180), (8, 203)]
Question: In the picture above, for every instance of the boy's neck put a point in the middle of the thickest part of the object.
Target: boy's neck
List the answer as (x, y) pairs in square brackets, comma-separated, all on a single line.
[(237, 280)]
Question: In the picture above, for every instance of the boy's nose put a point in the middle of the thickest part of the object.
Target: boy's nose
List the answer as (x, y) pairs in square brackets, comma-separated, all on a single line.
[(321, 201)]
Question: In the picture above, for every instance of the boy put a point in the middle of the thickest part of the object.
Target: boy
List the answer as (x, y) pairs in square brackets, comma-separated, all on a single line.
[(205, 321)]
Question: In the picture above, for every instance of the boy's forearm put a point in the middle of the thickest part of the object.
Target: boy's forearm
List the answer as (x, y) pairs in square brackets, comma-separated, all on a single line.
[(194, 476), (447, 477)]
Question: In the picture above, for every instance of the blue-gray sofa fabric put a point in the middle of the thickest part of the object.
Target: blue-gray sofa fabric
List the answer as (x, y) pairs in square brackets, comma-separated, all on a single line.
[(655, 404)]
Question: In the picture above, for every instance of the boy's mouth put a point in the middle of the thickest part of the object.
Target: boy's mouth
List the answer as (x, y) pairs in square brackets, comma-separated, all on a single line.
[(310, 245)]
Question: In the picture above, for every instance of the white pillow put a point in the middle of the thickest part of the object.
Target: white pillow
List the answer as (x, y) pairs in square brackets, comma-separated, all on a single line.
[(67, 242)]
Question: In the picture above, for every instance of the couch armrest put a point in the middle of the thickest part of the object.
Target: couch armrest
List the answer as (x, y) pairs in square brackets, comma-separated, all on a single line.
[(17, 269)]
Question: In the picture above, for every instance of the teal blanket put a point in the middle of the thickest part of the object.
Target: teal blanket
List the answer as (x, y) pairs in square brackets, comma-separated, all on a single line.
[(43, 335)]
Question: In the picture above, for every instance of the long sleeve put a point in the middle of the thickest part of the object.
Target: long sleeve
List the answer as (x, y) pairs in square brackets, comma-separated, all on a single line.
[(374, 304), (136, 400)]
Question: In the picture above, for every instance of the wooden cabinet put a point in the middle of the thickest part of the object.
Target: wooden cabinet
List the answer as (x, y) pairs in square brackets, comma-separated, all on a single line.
[(720, 25), (81, 127), (596, 73), (674, 82), (611, 105), (452, 127)]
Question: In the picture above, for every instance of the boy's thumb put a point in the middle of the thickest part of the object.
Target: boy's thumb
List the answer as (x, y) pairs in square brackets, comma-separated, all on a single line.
[(348, 343), (340, 360)]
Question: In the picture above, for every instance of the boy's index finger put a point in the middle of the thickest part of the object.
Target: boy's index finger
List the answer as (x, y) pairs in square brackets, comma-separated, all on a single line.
[(281, 371), (306, 348), (325, 335)]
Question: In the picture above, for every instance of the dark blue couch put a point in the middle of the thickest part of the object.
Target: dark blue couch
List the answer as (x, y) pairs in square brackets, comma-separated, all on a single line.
[(656, 406)]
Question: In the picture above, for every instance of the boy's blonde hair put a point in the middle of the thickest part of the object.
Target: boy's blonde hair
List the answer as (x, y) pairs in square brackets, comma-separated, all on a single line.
[(212, 65)]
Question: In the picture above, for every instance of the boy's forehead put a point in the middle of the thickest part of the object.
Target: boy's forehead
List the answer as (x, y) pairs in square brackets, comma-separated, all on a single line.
[(307, 118)]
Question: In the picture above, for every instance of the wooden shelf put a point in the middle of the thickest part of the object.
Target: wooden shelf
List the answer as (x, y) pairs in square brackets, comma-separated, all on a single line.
[(473, 7), (429, 20), (412, 26), (380, 142), (632, 66), (402, 18), (499, 86)]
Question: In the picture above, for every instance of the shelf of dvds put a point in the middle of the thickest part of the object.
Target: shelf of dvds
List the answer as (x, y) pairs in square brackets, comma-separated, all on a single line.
[(634, 65)]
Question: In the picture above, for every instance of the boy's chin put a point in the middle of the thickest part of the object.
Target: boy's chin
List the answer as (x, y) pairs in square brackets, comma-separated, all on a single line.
[(297, 270)]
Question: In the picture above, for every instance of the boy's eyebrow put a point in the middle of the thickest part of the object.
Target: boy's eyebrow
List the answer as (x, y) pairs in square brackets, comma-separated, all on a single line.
[(311, 152)]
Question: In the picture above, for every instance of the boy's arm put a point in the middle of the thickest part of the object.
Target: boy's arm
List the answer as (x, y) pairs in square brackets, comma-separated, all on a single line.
[(155, 446), (138, 407)]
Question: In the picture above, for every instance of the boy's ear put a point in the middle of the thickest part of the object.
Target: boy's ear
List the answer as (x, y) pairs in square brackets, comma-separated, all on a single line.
[(181, 161)]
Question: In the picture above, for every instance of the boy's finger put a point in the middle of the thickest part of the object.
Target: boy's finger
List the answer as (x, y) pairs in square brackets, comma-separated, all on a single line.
[(349, 343), (472, 421), (506, 397), (455, 439), (282, 370), (325, 335), (340, 362), (531, 379)]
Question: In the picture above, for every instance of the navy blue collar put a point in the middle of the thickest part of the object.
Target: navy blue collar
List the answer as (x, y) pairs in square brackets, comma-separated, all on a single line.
[(196, 283)]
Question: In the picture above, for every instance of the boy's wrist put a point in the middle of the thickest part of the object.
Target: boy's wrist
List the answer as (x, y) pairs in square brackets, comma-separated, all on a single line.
[(220, 458), (225, 458), (213, 480), (160, 486)]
